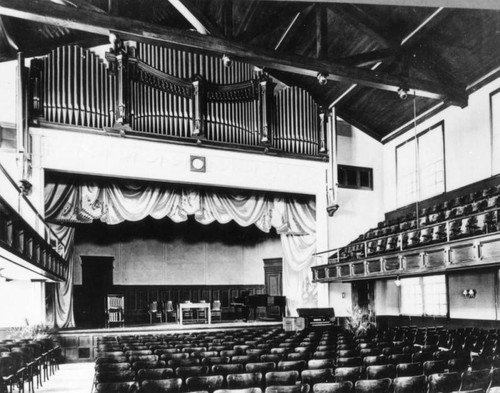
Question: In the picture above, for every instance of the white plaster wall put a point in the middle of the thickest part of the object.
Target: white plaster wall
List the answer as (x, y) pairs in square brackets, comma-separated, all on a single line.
[(8, 89), (153, 262), (386, 297), (467, 144), (30, 310)]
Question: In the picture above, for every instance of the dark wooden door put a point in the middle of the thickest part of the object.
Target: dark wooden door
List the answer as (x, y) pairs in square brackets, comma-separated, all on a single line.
[(97, 281), (273, 271)]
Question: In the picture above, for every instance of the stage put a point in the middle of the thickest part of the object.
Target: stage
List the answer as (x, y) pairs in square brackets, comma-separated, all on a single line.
[(79, 345)]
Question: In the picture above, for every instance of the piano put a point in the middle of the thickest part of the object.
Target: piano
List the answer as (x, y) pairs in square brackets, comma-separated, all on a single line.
[(251, 302), (317, 317)]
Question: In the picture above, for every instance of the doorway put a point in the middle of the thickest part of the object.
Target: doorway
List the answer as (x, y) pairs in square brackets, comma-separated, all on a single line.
[(97, 282)]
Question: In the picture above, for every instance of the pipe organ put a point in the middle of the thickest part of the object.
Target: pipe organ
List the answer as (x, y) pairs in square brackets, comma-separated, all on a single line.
[(174, 94)]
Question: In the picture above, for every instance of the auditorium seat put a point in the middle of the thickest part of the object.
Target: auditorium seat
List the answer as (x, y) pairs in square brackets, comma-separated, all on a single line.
[(373, 385), (207, 383), (434, 367), (409, 369), (409, 384), (444, 382), (191, 371), (172, 385), (244, 380), (480, 363), (347, 374), (297, 365), (154, 373), (137, 365), (320, 363), (114, 376), (374, 360), (274, 378), (224, 369), (261, 367), (246, 390), (349, 361), (112, 366), (335, 387), (313, 377), (380, 372), (118, 387), (472, 380)]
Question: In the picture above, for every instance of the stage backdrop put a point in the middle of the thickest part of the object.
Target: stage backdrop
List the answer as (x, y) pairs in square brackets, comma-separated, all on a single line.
[(70, 202)]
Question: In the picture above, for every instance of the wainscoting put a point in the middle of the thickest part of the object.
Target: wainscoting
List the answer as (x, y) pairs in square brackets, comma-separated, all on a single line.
[(138, 298)]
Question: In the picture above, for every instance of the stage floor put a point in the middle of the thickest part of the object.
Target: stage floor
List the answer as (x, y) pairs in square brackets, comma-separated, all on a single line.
[(172, 327)]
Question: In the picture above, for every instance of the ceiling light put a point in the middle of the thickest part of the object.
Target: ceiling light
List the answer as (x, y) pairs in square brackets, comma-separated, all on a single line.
[(403, 93), (322, 78), (227, 61)]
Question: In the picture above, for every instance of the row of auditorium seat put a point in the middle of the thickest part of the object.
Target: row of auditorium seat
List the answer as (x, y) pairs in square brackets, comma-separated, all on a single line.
[(239, 355), (430, 226), (24, 361)]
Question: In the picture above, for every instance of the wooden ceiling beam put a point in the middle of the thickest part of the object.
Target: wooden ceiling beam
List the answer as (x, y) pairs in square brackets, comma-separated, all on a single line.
[(96, 23), (199, 21), (321, 32), (464, 4), (367, 58)]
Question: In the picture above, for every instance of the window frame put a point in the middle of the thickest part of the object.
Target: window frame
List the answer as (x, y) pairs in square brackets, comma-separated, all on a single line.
[(358, 170), (492, 148), (422, 293), (439, 124)]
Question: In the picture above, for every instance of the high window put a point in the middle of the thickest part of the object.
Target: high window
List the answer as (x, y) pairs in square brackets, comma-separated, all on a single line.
[(424, 296), (495, 131), (420, 166), (355, 177)]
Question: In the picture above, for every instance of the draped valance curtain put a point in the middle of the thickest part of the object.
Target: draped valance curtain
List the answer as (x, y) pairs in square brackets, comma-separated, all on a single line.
[(83, 202)]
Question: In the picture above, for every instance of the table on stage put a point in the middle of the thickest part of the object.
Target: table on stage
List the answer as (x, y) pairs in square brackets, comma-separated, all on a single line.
[(191, 306)]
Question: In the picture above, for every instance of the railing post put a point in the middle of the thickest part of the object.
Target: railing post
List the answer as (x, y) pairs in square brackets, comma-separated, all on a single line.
[(121, 60), (323, 125), (266, 103), (199, 99)]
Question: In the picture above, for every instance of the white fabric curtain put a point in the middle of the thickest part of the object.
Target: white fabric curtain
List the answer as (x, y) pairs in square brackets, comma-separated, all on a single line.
[(294, 219)]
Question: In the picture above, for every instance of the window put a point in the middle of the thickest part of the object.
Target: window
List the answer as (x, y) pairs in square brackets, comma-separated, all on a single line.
[(495, 131), (355, 177), (424, 296), (420, 166)]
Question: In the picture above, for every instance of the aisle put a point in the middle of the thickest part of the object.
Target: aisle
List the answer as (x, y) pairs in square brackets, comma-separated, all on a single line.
[(71, 377)]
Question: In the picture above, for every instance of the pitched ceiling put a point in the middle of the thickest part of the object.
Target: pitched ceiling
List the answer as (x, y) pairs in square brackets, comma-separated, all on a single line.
[(368, 50)]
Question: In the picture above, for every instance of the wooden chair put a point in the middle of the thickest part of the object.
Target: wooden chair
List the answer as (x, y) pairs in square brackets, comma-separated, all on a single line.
[(475, 379), (285, 389), (244, 359), (481, 363), (381, 372), (244, 380), (261, 367), (271, 358), (279, 378), (334, 387), (443, 382), (172, 385), (154, 374), (397, 358), (349, 362), (373, 385), (374, 360), (191, 371), (297, 365), (224, 369), (211, 360), (458, 365), (118, 387), (347, 374), (434, 367), (207, 383), (421, 357), (299, 356), (148, 364), (149, 358), (313, 377), (494, 378), (409, 369), (246, 390), (410, 384), (320, 363), (112, 367), (114, 376), (174, 363)]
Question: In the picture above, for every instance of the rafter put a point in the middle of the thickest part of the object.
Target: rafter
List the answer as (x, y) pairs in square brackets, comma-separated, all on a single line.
[(92, 22), (363, 22), (466, 4), (367, 58), (293, 28), (321, 32), (199, 21)]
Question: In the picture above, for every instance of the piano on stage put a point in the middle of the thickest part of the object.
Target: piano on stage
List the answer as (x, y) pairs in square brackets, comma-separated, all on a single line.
[(249, 302)]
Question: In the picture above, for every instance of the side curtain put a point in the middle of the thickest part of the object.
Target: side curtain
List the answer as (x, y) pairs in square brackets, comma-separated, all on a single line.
[(293, 219)]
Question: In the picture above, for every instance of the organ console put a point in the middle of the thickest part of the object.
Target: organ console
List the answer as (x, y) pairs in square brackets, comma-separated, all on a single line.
[(170, 93), (317, 317)]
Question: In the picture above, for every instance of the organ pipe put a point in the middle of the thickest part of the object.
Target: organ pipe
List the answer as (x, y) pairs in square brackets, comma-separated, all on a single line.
[(174, 93)]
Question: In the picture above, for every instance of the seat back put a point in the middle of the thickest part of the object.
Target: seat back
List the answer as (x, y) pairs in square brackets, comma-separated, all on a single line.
[(335, 387), (443, 382), (276, 378), (382, 371), (373, 385), (262, 367), (244, 380), (313, 377), (347, 374), (409, 384), (207, 383), (476, 379), (172, 385), (409, 369), (116, 387)]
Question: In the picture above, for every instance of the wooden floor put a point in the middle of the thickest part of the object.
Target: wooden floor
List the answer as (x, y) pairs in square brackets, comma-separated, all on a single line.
[(71, 377)]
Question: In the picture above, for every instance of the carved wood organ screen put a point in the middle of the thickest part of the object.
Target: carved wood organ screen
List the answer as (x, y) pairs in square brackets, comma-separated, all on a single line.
[(170, 93)]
